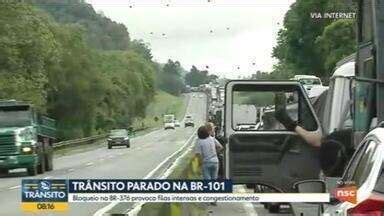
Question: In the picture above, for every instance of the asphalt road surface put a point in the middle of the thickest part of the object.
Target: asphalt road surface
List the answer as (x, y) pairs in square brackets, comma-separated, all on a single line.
[(145, 154)]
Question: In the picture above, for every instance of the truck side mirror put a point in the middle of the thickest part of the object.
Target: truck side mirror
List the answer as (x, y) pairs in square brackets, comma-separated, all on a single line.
[(310, 186)]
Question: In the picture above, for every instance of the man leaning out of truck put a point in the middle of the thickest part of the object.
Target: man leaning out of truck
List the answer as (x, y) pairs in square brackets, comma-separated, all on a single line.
[(335, 149)]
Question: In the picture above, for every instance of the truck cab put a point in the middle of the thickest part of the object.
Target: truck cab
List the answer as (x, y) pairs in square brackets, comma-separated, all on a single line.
[(308, 81), (169, 121), (336, 113), (26, 138)]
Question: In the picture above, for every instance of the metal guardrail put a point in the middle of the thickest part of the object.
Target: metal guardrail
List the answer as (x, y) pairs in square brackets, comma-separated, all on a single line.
[(88, 140), (81, 141)]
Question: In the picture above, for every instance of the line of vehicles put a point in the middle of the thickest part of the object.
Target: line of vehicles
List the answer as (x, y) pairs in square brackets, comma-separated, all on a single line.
[(170, 121), (263, 154)]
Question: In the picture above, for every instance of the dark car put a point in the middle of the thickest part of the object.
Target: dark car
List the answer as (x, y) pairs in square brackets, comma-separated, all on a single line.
[(118, 137), (188, 122)]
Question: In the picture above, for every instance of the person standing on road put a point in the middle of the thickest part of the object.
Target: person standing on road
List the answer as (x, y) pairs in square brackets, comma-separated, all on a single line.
[(207, 154), (211, 130)]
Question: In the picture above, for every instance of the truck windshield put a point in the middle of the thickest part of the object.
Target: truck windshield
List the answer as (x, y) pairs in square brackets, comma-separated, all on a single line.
[(118, 133), (16, 118), (169, 119)]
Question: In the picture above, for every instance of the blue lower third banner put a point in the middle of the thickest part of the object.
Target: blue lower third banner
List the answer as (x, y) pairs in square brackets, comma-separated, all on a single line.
[(55, 194), (148, 186)]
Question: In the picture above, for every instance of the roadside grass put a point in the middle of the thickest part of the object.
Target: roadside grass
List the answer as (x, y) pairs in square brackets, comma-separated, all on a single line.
[(163, 103), (187, 168)]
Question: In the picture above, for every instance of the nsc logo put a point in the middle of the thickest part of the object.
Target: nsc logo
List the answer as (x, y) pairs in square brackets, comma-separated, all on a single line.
[(44, 195)]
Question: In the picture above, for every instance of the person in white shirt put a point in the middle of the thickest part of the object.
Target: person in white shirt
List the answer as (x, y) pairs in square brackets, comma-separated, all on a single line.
[(207, 154)]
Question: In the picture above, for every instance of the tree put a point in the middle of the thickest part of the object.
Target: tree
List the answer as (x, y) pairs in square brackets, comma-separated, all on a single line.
[(27, 47), (336, 42), (170, 79), (129, 88), (74, 85), (296, 46), (101, 32), (142, 48), (196, 77)]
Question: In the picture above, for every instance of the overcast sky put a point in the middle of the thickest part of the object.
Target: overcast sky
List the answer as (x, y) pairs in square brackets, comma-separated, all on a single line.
[(232, 37)]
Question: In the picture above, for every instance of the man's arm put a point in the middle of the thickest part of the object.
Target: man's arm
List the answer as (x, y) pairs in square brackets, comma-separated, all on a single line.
[(218, 146), (312, 138)]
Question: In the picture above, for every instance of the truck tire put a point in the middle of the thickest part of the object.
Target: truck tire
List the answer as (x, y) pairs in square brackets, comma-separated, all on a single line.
[(128, 144), (274, 208), (49, 163), (109, 146), (41, 166), (4, 171), (32, 171)]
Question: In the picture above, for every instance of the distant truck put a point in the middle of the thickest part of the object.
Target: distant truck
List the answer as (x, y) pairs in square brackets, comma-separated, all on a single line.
[(169, 121), (308, 81), (26, 138)]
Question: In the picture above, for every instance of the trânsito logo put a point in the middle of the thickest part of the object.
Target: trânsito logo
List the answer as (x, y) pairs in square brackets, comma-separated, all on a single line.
[(45, 186), (52, 190)]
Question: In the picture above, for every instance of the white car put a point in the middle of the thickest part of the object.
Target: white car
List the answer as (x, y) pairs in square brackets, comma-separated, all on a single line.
[(366, 170), (177, 123)]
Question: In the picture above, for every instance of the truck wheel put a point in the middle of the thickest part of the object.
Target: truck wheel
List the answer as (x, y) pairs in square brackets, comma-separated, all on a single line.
[(109, 146), (41, 166), (128, 144), (4, 171), (32, 171), (49, 163), (274, 208)]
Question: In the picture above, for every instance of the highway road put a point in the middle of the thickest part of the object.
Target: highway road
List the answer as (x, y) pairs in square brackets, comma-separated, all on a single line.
[(145, 154)]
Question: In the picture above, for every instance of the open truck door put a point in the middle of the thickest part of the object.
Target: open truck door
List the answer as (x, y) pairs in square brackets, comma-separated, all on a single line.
[(261, 151)]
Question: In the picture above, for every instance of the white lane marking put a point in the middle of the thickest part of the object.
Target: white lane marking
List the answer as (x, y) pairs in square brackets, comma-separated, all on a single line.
[(71, 170), (89, 164), (248, 206), (14, 187), (111, 156), (108, 207), (47, 177)]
